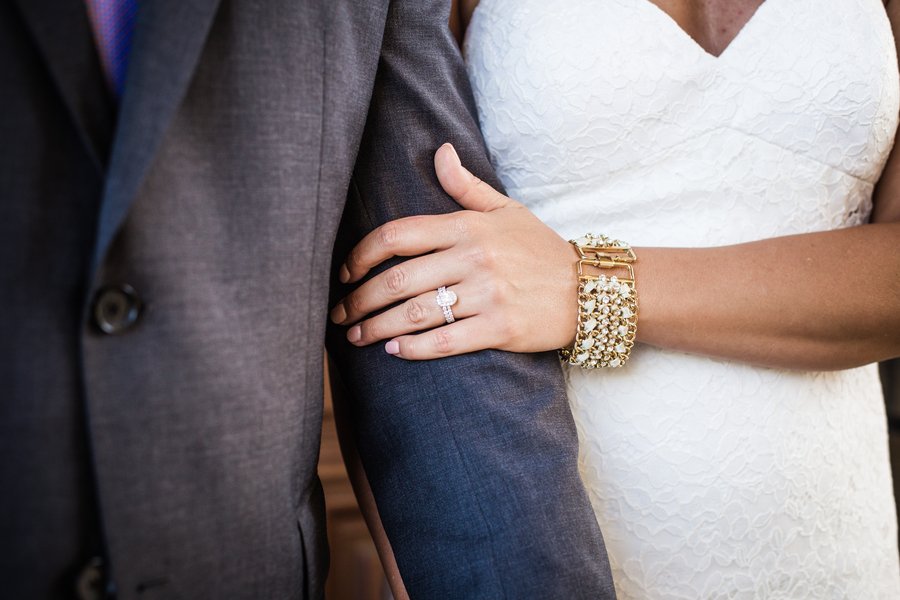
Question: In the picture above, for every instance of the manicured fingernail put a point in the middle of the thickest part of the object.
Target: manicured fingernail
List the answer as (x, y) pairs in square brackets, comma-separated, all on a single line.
[(344, 274), (455, 155), (355, 334), (392, 347), (338, 313)]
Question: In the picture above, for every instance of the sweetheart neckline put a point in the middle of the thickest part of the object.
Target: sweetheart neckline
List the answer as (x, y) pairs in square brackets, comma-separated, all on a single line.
[(680, 31)]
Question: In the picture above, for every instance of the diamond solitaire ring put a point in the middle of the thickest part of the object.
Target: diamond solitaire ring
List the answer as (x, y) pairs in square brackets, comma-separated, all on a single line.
[(446, 299)]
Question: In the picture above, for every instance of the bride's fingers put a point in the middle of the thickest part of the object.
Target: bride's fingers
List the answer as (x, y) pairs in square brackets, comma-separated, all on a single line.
[(465, 335), (406, 280), (416, 314), (469, 191), (410, 236)]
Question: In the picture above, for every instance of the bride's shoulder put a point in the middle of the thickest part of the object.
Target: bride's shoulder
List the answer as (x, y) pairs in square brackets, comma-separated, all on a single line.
[(460, 14)]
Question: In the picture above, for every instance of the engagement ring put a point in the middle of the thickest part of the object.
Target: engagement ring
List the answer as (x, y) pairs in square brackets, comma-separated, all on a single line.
[(446, 299)]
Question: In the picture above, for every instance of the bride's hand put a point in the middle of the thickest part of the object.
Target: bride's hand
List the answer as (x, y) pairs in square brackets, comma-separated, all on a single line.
[(514, 277)]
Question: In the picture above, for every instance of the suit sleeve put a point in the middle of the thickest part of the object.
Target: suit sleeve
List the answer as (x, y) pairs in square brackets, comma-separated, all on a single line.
[(472, 459)]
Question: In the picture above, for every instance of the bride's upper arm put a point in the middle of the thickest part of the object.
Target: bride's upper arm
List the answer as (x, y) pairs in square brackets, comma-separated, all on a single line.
[(466, 8), (887, 192), (460, 13), (455, 23)]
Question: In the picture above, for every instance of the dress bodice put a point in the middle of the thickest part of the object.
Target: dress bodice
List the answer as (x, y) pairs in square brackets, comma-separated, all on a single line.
[(710, 478), (609, 109)]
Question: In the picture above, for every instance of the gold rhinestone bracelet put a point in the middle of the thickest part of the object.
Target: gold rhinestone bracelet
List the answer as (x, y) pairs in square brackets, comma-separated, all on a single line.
[(607, 304)]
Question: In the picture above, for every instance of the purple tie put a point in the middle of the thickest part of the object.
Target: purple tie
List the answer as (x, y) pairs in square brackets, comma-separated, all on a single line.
[(113, 23)]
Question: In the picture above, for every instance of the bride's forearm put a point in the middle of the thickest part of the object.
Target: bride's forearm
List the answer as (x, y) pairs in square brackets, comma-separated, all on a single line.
[(819, 301)]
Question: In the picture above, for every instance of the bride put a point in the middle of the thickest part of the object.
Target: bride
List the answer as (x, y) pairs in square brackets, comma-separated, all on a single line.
[(742, 151)]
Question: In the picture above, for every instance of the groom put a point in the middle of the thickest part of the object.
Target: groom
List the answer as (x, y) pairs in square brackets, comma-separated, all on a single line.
[(172, 186)]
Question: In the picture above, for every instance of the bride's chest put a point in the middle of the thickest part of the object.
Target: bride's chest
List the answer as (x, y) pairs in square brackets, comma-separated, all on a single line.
[(622, 79)]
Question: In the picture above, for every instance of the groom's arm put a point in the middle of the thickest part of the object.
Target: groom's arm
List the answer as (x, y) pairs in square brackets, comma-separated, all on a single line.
[(472, 459)]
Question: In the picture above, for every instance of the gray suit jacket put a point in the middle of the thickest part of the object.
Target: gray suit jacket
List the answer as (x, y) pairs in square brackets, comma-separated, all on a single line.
[(164, 275)]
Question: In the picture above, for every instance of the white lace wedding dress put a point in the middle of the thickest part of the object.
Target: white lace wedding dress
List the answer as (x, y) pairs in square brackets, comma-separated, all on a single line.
[(710, 479)]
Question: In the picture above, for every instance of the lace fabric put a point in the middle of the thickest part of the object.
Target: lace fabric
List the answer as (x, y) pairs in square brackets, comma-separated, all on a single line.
[(710, 479)]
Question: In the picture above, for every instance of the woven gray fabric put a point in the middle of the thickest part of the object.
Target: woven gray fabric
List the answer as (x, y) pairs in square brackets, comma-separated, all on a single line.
[(185, 447)]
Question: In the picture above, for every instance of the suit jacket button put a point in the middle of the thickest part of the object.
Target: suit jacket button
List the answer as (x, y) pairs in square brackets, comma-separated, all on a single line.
[(116, 309), (91, 582)]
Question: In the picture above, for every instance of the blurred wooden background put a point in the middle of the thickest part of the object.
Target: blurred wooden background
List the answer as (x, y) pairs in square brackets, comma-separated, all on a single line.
[(890, 377)]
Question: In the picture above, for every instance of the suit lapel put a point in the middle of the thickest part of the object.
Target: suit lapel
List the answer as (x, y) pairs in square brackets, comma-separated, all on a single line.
[(63, 35), (169, 37)]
